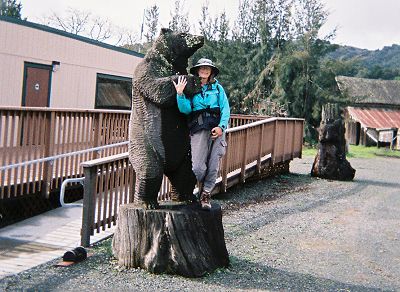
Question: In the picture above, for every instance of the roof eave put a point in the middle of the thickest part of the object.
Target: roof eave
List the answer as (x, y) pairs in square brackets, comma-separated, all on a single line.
[(69, 35)]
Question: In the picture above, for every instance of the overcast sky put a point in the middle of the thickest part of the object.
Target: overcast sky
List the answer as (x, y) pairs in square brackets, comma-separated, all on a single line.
[(367, 24)]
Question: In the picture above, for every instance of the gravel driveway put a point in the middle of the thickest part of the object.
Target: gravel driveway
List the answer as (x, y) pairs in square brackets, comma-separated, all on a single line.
[(291, 232)]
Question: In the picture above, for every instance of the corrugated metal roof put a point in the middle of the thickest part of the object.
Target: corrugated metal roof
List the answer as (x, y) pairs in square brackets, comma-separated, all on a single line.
[(375, 117)]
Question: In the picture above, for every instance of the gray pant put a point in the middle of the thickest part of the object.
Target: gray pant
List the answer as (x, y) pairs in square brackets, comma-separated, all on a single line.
[(206, 155)]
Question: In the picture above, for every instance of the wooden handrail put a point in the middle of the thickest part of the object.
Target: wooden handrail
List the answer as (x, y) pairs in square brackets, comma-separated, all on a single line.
[(104, 160), (61, 110), (257, 123), (31, 133)]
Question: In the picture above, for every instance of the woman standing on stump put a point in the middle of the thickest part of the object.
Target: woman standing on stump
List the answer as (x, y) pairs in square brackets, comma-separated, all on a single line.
[(208, 114)]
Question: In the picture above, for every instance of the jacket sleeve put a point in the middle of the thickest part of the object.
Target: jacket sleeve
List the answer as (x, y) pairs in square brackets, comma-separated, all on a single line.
[(224, 108), (184, 104)]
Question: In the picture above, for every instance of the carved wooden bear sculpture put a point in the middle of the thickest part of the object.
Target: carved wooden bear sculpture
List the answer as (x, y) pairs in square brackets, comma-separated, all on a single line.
[(158, 134)]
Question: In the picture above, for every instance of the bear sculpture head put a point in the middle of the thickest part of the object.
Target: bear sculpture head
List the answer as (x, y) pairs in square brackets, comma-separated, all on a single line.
[(177, 47)]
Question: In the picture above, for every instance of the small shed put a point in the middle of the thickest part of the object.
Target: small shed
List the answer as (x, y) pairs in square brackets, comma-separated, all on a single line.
[(45, 67), (374, 117)]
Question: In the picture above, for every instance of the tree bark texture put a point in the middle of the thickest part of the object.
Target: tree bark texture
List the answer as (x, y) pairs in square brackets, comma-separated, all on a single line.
[(180, 239), (330, 161)]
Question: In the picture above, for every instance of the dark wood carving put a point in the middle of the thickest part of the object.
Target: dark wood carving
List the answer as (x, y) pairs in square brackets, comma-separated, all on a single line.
[(330, 161)]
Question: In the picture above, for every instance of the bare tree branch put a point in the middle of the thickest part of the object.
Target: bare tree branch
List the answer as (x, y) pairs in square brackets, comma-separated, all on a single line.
[(74, 22), (82, 23), (101, 29)]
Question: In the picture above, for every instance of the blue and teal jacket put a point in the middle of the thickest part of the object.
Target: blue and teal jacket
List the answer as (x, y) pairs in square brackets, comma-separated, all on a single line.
[(212, 97)]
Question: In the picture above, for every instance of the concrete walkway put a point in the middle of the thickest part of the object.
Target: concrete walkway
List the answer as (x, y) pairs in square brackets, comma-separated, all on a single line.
[(42, 238)]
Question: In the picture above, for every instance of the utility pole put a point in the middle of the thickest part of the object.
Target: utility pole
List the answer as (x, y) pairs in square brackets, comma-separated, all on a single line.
[(141, 30)]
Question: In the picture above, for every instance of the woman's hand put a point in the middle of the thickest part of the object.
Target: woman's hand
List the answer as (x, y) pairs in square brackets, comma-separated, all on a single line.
[(180, 86), (216, 132)]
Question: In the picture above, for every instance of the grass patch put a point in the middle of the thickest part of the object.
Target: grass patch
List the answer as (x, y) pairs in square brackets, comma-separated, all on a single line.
[(358, 152), (104, 247), (371, 152), (309, 151)]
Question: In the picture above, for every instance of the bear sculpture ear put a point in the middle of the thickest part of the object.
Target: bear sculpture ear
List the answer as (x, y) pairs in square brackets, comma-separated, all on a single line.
[(165, 30)]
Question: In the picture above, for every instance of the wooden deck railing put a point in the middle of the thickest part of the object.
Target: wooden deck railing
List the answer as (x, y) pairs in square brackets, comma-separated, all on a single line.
[(29, 134), (252, 149)]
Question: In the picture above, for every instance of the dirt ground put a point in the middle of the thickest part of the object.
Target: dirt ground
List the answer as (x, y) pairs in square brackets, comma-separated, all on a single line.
[(291, 232)]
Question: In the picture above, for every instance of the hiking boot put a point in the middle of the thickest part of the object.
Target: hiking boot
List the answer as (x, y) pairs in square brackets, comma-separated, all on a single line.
[(177, 197), (174, 195), (199, 188), (205, 200)]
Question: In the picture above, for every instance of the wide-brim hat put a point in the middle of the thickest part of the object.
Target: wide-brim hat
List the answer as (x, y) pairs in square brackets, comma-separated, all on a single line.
[(204, 62)]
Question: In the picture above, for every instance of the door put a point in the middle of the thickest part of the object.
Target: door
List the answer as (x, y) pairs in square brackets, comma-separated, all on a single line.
[(36, 93), (358, 133), (37, 80)]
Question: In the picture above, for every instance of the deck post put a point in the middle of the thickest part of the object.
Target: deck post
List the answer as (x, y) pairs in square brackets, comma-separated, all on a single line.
[(98, 128), (224, 174), (274, 143), (292, 140), (48, 151), (285, 137), (89, 191), (243, 172), (260, 149)]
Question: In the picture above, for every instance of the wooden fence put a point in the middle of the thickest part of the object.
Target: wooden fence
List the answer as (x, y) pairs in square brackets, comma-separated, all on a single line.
[(31, 134), (253, 148)]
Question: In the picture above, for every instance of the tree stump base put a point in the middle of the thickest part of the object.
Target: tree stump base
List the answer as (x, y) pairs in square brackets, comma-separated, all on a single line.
[(174, 239)]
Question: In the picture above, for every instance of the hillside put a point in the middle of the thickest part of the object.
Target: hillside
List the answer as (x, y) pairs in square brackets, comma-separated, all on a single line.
[(388, 57)]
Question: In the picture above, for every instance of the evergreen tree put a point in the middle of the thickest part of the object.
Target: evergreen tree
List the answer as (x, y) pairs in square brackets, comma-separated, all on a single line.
[(11, 8), (273, 20), (245, 27), (275, 55), (225, 52), (205, 23), (179, 21), (151, 23), (223, 28), (300, 79)]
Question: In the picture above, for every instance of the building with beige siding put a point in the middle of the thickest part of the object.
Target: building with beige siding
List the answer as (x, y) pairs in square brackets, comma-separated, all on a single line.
[(44, 67)]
